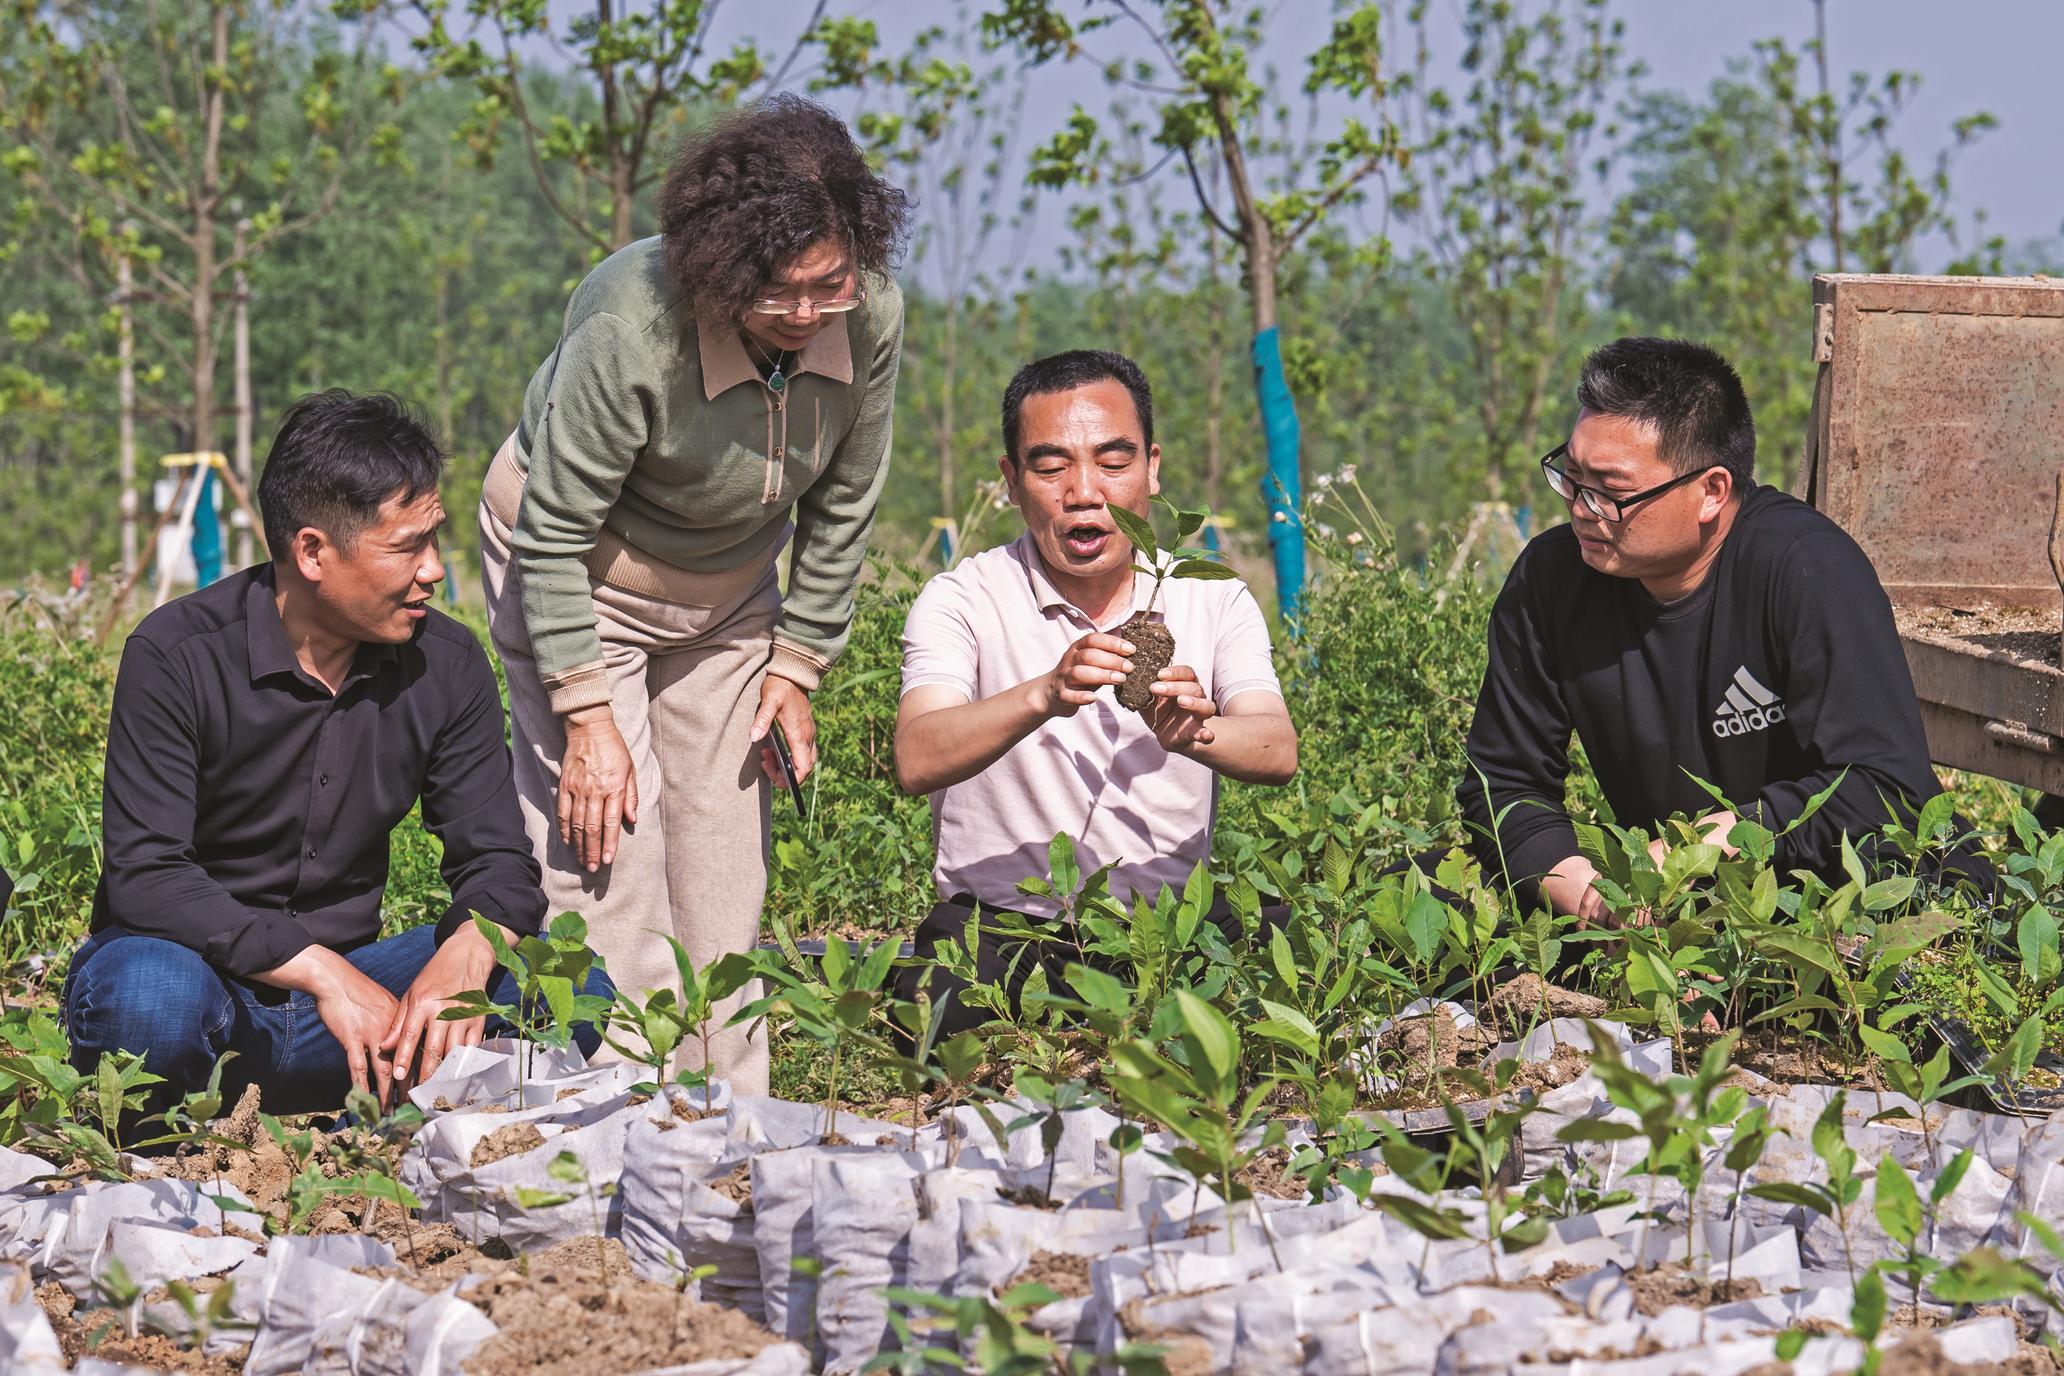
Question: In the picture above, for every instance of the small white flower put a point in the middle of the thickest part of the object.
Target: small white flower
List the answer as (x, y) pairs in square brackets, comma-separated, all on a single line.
[(1354, 537), (1347, 473), (1283, 517), (1325, 531), (1325, 480)]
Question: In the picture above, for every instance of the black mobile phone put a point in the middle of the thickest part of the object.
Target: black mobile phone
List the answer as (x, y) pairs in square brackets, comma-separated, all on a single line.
[(787, 762)]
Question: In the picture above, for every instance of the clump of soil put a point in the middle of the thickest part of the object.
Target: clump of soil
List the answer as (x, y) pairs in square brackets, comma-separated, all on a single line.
[(1269, 1174), (737, 1187), (1434, 1039), (1657, 1288), (1065, 1275), (1153, 649), (682, 1110), (1517, 1003), (834, 1139), (98, 1333), (1030, 1196), (246, 1158), (513, 1140), (557, 1312), (1566, 1066)]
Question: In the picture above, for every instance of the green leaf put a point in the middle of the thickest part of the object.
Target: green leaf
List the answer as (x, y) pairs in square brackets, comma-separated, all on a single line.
[(1951, 1177), (1285, 1024), (1788, 1192), (529, 1198), (1888, 893), (1203, 568), (1898, 1205), (1791, 1343), (1867, 1309), (2016, 1058), (2036, 939), (1138, 530), (1423, 1219), (1212, 1037)]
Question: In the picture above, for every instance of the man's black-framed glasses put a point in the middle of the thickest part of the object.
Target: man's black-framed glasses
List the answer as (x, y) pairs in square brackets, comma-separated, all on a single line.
[(1603, 505)]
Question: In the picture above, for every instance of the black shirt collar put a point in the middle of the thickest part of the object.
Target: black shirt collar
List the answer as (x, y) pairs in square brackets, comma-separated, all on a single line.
[(270, 652)]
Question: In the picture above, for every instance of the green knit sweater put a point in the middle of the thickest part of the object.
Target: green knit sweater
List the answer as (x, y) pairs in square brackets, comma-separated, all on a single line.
[(661, 431)]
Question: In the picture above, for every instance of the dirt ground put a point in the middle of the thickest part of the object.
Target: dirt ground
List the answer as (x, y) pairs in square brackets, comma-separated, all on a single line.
[(578, 1307)]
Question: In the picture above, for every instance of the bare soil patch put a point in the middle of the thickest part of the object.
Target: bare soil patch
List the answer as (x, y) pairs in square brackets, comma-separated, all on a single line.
[(1434, 1039), (570, 1308), (98, 1333), (1660, 1287), (513, 1140), (1065, 1275)]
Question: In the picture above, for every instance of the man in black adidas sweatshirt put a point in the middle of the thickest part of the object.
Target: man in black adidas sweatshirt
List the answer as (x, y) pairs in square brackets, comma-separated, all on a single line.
[(1686, 623)]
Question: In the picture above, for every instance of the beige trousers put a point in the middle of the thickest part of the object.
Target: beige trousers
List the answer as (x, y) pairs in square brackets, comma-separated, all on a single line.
[(684, 686)]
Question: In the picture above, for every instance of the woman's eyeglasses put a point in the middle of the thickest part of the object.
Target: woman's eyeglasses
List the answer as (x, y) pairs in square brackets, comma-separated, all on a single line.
[(838, 305)]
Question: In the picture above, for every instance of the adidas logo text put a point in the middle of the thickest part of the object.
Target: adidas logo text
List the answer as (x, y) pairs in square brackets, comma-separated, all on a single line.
[(1747, 706)]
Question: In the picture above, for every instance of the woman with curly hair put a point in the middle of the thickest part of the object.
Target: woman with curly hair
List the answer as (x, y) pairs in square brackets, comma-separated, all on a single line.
[(719, 393)]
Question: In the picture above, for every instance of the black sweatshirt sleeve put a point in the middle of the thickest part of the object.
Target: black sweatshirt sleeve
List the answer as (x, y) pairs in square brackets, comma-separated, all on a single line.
[(1518, 750), (154, 882), (469, 803), (1849, 701)]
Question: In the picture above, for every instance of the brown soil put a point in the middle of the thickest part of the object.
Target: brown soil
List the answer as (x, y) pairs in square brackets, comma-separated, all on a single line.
[(1433, 1038), (1153, 649), (834, 1139), (1921, 1355), (1564, 1067), (1031, 1196), (1519, 1003), (1269, 1174), (737, 1187), (1067, 1276), (248, 1159), (683, 1111), (513, 1140), (99, 1334), (1657, 1289), (2020, 633), (557, 1313)]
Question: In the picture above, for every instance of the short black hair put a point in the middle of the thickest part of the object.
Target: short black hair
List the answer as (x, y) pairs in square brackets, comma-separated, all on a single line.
[(1064, 373), (760, 187), (337, 458), (1688, 392)]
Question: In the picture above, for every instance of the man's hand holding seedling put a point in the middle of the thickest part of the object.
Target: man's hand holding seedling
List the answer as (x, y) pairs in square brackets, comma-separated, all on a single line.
[(1094, 662), (1182, 711)]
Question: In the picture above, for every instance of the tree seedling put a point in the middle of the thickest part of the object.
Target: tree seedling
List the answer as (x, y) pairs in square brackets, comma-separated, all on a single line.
[(549, 972), (1152, 642)]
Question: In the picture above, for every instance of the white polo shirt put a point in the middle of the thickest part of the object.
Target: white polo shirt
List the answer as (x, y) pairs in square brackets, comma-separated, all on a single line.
[(1100, 776)]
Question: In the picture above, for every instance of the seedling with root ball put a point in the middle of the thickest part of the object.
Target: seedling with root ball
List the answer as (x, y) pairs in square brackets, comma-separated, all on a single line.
[(1153, 643)]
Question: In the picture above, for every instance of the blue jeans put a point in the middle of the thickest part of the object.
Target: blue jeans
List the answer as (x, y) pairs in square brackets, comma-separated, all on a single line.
[(156, 997)]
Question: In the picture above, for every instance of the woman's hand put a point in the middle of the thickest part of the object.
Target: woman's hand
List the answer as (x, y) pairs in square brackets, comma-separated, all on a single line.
[(598, 788), (783, 701)]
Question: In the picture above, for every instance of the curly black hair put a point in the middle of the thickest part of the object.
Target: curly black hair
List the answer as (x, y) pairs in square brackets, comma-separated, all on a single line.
[(752, 193)]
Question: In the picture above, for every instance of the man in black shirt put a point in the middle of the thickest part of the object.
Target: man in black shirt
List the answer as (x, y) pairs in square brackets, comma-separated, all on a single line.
[(268, 733), (1686, 624)]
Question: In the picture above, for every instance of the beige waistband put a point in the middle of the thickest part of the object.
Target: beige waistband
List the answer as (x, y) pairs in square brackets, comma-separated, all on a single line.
[(619, 563)]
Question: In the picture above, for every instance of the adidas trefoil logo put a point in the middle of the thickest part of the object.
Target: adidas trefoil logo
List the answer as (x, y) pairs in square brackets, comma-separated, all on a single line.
[(1748, 706)]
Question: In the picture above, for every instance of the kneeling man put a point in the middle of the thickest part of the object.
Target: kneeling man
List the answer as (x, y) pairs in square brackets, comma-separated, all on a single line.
[(268, 733), (1007, 719), (1687, 624)]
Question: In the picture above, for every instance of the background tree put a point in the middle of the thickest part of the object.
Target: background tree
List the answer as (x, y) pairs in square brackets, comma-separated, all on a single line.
[(1497, 189), (145, 130), (1212, 107), (648, 69)]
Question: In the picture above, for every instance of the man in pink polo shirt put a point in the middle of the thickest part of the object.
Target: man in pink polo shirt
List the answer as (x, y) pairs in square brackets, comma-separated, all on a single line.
[(1006, 721)]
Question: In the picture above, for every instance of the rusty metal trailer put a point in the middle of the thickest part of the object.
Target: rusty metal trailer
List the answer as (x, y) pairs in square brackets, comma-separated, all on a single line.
[(1938, 443)]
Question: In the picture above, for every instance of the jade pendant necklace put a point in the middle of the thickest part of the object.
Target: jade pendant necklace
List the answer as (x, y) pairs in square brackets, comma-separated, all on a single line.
[(776, 381)]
